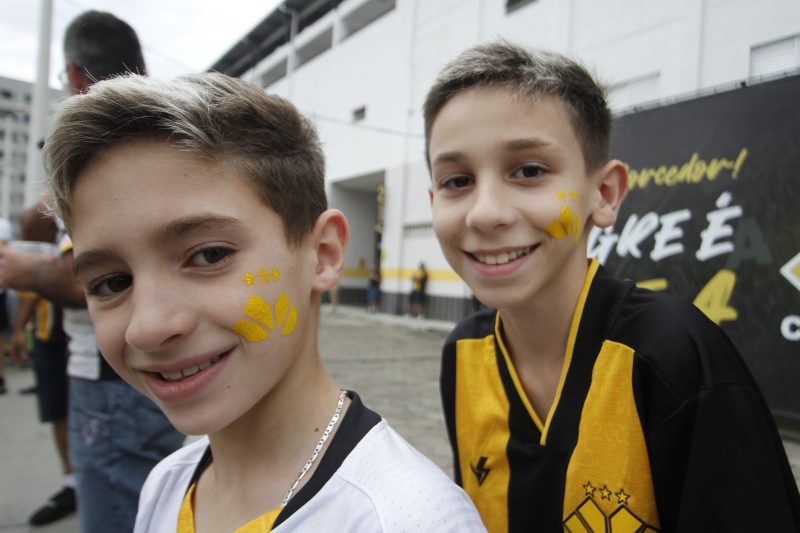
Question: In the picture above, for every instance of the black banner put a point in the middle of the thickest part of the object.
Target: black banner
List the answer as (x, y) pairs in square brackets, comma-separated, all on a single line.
[(712, 215)]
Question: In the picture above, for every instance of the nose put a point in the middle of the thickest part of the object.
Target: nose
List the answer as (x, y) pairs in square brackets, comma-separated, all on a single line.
[(491, 207), (159, 317)]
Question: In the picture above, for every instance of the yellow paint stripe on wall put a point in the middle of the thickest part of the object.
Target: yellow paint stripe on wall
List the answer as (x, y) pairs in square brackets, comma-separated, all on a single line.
[(402, 273)]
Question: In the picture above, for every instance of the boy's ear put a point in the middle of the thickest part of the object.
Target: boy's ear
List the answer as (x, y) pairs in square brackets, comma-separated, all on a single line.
[(612, 186), (330, 234)]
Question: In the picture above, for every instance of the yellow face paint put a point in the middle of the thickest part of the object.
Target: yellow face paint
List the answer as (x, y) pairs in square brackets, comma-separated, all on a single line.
[(569, 221), (286, 314), (263, 274), (260, 311)]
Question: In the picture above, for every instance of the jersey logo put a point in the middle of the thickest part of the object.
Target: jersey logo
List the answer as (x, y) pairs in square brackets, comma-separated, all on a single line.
[(590, 518), (480, 469)]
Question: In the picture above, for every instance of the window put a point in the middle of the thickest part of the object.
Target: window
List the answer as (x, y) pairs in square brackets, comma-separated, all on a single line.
[(775, 57), (315, 47), (273, 74), (364, 15), (359, 113), (513, 5)]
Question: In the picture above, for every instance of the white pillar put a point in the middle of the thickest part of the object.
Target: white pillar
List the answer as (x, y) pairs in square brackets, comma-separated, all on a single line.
[(34, 172), (291, 59)]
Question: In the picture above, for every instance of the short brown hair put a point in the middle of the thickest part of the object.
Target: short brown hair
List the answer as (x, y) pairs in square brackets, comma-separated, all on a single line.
[(529, 73), (102, 46), (224, 120)]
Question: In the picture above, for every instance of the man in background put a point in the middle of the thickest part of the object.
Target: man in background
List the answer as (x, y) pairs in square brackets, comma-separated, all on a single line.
[(49, 358), (116, 435)]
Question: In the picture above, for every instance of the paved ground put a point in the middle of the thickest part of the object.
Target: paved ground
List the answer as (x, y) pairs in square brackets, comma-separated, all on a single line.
[(393, 362)]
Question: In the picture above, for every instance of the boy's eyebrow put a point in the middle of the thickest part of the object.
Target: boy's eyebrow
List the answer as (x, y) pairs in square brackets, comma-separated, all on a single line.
[(523, 144), (89, 258), (515, 145), (175, 229), (447, 157), (193, 224)]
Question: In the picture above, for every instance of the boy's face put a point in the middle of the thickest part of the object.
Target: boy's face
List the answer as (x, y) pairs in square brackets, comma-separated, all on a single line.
[(510, 194), (196, 298)]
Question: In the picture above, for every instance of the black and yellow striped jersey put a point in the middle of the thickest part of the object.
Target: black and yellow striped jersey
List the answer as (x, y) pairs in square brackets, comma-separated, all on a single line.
[(48, 322), (46, 319), (657, 425)]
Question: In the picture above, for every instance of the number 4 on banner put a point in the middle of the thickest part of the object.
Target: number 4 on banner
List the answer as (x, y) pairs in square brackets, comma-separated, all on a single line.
[(713, 299)]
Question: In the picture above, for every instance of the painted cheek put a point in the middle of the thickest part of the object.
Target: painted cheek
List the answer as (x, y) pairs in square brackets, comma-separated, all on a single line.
[(262, 317), (568, 222)]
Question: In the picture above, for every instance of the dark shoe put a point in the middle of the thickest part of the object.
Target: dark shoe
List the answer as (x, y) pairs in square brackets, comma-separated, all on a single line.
[(57, 507)]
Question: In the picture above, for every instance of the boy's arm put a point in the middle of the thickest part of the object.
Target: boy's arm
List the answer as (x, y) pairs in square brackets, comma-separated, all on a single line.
[(719, 465), (51, 277)]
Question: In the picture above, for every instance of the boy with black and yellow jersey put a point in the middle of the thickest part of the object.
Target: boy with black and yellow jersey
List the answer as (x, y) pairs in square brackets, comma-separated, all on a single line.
[(581, 403)]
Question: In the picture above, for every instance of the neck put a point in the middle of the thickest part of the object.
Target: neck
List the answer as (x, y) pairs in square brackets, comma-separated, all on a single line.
[(536, 334), (275, 438)]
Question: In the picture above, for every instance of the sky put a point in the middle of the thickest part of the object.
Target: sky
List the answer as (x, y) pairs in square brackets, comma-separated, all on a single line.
[(177, 36)]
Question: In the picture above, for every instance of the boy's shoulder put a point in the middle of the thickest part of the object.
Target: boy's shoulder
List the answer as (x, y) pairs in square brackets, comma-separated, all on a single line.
[(478, 325), (162, 494), (376, 481), (385, 481), (675, 341)]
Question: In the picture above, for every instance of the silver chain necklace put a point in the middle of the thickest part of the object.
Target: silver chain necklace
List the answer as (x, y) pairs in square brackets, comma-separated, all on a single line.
[(317, 448)]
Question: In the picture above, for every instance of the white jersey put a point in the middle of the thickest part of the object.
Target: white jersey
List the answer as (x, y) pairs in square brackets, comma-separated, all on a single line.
[(369, 480)]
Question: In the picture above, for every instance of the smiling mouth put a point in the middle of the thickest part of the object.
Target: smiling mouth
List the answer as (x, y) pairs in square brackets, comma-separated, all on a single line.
[(503, 257), (192, 370)]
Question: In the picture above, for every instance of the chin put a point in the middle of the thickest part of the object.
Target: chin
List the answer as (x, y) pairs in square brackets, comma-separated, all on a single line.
[(193, 427)]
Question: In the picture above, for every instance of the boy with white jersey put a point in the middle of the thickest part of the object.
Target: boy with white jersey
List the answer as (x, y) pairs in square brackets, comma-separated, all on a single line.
[(581, 403), (203, 241)]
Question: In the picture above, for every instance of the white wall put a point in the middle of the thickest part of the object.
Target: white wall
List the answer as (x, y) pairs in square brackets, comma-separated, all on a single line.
[(649, 50)]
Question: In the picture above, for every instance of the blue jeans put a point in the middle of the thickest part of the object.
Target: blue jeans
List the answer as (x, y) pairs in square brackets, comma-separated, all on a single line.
[(116, 436)]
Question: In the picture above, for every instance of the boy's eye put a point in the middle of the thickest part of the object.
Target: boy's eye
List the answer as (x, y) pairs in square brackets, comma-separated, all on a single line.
[(209, 256), (110, 285), (528, 171), (456, 182)]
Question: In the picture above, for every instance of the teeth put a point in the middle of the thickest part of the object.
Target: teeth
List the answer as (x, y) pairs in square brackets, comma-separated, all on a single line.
[(190, 371), (502, 258)]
